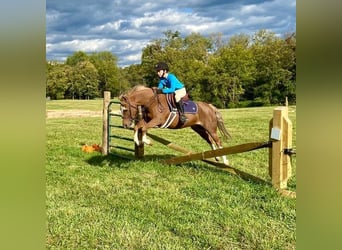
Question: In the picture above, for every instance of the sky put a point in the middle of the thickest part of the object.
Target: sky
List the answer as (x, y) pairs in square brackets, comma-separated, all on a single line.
[(125, 27)]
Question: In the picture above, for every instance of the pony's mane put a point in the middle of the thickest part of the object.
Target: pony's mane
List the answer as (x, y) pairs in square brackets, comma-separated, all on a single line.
[(136, 88), (132, 91)]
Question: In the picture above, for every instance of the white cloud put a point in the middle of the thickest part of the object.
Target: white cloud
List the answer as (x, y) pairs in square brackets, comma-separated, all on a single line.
[(251, 9), (125, 27), (110, 26)]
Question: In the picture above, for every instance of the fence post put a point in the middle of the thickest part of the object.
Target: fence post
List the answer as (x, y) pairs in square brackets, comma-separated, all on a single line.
[(281, 136), (106, 101)]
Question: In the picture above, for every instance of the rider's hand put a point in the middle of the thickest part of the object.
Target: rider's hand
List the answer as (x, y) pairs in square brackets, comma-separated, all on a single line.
[(159, 91)]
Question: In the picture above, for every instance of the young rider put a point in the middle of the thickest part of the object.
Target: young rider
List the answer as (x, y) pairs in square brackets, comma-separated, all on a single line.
[(168, 83)]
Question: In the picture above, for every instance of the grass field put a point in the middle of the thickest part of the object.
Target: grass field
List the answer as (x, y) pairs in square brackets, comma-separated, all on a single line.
[(105, 202)]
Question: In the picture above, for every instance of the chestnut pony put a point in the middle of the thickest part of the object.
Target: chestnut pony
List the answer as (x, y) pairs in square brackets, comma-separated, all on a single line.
[(156, 112)]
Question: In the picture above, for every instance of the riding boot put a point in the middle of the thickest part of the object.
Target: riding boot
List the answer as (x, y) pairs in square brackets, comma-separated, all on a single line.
[(180, 107)]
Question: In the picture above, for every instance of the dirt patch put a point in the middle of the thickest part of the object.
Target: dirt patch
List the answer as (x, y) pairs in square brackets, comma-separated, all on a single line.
[(72, 113)]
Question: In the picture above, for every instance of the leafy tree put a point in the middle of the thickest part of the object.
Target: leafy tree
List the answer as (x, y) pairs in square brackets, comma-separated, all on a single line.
[(192, 66), (151, 55), (131, 76), (274, 62), (108, 72), (186, 57), (76, 58), (233, 68), (83, 81), (216, 40), (246, 70), (56, 80)]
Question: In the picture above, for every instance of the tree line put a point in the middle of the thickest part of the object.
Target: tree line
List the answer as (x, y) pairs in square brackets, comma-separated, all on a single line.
[(246, 70)]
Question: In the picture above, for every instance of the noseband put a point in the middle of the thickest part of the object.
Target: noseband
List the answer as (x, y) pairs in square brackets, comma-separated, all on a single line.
[(130, 106)]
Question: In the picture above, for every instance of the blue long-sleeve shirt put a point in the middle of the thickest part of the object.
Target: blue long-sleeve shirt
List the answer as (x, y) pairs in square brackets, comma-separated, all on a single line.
[(170, 84)]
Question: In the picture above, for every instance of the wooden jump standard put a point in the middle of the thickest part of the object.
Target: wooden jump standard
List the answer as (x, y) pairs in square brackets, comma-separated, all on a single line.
[(280, 148)]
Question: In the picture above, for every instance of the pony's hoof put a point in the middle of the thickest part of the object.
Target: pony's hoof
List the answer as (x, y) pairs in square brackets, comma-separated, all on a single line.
[(147, 141)]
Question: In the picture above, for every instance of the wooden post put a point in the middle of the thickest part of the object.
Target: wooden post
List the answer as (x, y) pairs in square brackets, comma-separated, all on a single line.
[(281, 136), (106, 101), (139, 150)]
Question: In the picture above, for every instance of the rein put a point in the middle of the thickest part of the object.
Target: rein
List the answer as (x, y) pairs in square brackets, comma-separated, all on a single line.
[(156, 96), (147, 105), (129, 108)]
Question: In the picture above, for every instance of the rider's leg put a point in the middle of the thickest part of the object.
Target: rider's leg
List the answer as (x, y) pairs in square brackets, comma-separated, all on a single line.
[(179, 94), (180, 108)]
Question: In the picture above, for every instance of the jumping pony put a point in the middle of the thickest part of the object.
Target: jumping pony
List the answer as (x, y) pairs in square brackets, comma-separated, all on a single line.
[(202, 117)]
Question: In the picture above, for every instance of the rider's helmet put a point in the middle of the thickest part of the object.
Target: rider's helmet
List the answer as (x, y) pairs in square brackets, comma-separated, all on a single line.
[(161, 66)]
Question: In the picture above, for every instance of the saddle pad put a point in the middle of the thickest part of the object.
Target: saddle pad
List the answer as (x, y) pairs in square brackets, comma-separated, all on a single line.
[(189, 106)]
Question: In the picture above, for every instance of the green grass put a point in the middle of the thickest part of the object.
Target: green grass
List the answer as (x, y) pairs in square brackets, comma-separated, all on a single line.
[(106, 202)]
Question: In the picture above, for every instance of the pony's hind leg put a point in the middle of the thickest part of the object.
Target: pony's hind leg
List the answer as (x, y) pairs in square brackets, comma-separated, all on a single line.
[(216, 142), (203, 133), (212, 139), (224, 157)]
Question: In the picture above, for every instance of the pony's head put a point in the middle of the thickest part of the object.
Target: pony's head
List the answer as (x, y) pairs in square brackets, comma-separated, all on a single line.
[(129, 112), (130, 101)]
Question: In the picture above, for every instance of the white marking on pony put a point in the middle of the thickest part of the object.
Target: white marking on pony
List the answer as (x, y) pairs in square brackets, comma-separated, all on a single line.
[(136, 139), (224, 157), (225, 160), (122, 109), (213, 147), (144, 139)]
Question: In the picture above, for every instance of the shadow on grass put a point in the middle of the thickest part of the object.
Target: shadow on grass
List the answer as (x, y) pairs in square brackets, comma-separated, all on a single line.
[(121, 160)]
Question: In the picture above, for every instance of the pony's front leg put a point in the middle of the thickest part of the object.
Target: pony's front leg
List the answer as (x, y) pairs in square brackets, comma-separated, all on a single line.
[(137, 127), (141, 125), (144, 138), (144, 127)]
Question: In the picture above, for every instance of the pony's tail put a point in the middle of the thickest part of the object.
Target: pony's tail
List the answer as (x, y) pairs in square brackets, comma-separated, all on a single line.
[(220, 123)]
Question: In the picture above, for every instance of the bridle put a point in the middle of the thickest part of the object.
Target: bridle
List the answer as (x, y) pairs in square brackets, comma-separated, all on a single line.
[(132, 106)]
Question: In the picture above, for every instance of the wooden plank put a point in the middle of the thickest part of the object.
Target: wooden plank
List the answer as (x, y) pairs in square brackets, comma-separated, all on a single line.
[(280, 169), (212, 164), (218, 152), (105, 141), (277, 155), (170, 144), (287, 143), (270, 150)]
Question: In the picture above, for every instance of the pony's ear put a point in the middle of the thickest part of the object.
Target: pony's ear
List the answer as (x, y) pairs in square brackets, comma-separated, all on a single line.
[(123, 98)]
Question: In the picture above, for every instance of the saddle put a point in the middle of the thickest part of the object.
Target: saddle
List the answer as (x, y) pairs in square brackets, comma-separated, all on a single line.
[(189, 105)]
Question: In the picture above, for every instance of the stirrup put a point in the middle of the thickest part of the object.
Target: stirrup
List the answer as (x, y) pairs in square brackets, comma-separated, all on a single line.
[(182, 118)]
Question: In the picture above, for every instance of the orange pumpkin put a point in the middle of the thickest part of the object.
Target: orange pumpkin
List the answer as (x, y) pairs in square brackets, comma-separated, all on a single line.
[(97, 147), (88, 149)]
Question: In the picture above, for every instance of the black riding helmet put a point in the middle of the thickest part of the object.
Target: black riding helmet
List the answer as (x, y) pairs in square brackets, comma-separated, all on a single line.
[(161, 66)]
